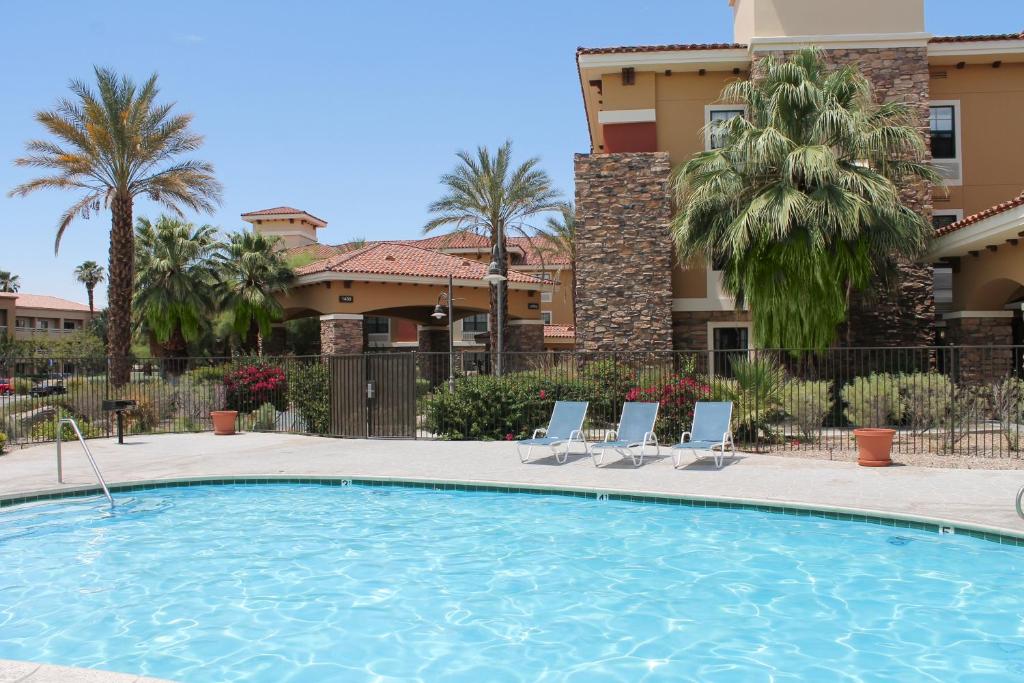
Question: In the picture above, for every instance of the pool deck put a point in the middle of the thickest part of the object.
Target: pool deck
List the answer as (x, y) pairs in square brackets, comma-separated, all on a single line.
[(982, 499), (973, 499)]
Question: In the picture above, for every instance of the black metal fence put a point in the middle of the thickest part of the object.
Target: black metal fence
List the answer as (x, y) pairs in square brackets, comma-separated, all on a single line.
[(943, 400)]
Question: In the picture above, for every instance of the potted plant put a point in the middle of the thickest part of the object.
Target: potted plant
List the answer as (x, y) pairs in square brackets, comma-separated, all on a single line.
[(223, 420), (873, 400)]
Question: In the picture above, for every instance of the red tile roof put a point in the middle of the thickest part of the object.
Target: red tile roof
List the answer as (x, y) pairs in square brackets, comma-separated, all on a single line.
[(970, 39), (395, 258), (539, 251), (281, 211), (560, 331), (48, 302), (452, 240), (981, 215), (318, 251), (658, 48)]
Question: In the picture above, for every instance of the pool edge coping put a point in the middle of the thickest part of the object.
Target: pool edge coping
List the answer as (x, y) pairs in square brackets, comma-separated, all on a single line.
[(996, 534)]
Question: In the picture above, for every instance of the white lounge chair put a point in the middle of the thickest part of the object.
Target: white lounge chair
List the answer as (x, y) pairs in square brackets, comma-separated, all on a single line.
[(636, 430), (564, 428), (710, 432)]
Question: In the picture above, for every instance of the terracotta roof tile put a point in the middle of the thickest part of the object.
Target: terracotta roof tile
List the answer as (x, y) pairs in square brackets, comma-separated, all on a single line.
[(539, 251), (452, 240), (319, 251), (981, 215), (971, 39), (395, 258), (657, 48), (281, 211), (560, 331), (48, 302)]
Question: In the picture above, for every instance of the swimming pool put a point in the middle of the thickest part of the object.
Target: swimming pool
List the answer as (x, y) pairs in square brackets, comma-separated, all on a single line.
[(286, 582)]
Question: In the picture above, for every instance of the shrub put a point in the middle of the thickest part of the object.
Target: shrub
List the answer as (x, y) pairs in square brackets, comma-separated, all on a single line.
[(47, 430), (677, 399), (606, 383), (264, 419), (3, 442), (925, 398), (490, 408), (872, 401), (210, 373), (22, 385), (308, 389), (1008, 406), (808, 402), (143, 417), (251, 386), (756, 390)]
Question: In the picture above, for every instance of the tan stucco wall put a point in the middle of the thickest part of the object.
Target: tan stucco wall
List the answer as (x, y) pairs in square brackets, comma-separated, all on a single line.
[(991, 102), (7, 312), (376, 298), (681, 99), (989, 280), (292, 234), (561, 298), (771, 18), (617, 96)]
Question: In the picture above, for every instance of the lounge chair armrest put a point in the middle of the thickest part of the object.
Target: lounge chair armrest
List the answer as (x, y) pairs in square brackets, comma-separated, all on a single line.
[(576, 435), (611, 435), (650, 437), (685, 437), (540, 430)]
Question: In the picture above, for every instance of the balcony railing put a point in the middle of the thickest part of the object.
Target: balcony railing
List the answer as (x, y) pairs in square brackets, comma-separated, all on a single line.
[(28, 332)]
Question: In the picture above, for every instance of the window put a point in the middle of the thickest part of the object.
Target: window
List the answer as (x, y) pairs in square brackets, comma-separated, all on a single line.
[(376, 324), (70, 325), (728, 344), (545, 297), (943, 132), (546, 317), (943, 217), (475, 323), (714, 117), (944, 124), (22, 322), (42, 324), (547, 276)]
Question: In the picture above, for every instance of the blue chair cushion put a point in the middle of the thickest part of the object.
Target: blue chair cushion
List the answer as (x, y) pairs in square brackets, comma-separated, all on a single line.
[(542, 441), (697, 444)]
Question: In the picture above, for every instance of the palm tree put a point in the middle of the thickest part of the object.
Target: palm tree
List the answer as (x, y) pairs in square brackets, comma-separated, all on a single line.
[(252, 271), (113, 144), (801, 205), (90, 274), (559, 237), (485, 195), (9, 282), (175, 282)]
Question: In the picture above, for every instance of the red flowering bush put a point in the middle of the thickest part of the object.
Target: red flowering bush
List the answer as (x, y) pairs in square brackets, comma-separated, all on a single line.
[(250, 386), (677, 397)]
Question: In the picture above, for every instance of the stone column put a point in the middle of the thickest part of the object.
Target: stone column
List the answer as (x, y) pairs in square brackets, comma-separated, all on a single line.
[(981, 340), (342, 333), (525, 344), (623, 275)]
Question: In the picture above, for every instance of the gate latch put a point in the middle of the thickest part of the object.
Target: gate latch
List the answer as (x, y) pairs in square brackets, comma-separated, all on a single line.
[(371, 389)]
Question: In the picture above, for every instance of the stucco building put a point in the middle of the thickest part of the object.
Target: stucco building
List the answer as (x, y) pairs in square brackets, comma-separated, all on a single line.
[(381, 294), (33, 316), (648, 108)]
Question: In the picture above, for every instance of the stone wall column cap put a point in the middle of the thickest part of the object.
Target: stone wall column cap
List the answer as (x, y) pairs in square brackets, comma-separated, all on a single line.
[(525, 322), (342, 316), (432, 328), (957, 315)]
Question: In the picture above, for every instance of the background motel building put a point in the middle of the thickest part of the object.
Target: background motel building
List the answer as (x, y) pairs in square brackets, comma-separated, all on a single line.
[(31, 316), (646, 109), (381, 294)]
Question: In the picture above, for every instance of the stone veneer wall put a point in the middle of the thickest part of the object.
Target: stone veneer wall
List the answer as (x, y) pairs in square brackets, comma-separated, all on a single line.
[(623, 273), (902, 314), (986, 356), (525, 338), (341, 336), (690, 328)]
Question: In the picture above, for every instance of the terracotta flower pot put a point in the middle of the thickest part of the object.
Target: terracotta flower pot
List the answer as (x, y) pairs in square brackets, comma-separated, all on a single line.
[(873, 446), (224, 421)]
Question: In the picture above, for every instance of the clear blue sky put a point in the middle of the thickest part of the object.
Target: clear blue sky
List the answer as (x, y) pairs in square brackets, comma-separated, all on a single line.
[(348, 110)]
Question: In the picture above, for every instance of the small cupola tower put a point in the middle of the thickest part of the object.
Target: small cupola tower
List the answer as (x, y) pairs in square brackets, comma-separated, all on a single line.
[(295, 227)]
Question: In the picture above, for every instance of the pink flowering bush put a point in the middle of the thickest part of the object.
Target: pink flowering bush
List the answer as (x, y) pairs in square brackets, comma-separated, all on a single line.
[(250, 386), (678, 397)]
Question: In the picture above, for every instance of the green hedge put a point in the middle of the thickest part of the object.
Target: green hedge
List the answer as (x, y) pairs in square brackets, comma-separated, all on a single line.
[(308, 390)]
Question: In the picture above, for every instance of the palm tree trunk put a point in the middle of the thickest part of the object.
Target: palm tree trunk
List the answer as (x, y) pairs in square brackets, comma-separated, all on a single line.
[(122, 276), (91, 311)]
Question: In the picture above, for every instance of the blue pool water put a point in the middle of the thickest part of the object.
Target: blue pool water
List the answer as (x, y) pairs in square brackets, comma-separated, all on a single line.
[(307, 583)]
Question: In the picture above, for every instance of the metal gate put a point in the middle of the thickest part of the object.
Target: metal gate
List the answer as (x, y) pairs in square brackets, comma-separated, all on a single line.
[(373, 395)]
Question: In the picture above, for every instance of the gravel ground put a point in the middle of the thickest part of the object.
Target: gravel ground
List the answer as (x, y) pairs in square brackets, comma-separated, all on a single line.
[(953, 461)]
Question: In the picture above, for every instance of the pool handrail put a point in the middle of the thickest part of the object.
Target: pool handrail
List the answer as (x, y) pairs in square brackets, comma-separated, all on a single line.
[(88, 453)]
